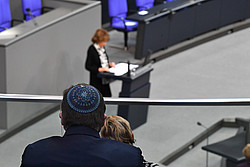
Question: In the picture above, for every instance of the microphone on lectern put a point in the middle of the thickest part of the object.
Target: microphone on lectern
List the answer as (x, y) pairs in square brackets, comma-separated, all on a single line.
[(32, 16), (128, 69)]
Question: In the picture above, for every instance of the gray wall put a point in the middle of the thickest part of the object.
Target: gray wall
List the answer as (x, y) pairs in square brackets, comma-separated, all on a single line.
[(47, 62)]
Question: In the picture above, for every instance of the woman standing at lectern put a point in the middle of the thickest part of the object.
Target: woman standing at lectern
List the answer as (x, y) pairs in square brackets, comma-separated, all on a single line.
[(98, 61)]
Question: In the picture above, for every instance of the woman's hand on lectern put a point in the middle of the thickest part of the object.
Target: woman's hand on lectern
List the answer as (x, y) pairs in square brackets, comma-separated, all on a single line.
[(103, 69), (112, 64)]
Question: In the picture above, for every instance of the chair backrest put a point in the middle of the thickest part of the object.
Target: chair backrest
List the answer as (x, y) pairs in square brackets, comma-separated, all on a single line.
[(118, 8), (5, 15), (144, 4), (34, 6)]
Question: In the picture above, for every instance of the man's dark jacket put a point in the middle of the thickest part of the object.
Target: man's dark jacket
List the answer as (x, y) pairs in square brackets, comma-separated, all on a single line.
[(81, 147)]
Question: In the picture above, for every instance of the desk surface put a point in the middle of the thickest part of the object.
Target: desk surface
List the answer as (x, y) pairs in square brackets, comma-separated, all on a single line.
[(24, 29), (230, 148), (162, 9), (59, 13)]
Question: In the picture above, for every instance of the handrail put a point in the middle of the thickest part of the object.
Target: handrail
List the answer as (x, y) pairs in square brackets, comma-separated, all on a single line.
[(142, 101), (30, 98), (122, 101)]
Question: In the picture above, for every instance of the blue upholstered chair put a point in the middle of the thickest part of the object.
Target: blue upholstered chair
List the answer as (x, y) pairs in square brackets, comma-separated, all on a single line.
[(118, 12), (144, 4), (5, 16), (33, 8)]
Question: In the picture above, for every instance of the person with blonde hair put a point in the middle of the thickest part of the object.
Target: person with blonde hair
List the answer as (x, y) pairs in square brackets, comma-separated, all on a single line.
[(118, 128), (98, 61), (246, 152)]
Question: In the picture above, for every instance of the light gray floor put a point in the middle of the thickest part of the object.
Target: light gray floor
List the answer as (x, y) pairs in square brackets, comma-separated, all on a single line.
[(217, 69)]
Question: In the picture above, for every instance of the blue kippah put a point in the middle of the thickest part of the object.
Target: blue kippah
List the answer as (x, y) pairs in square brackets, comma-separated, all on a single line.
[(83, 98)]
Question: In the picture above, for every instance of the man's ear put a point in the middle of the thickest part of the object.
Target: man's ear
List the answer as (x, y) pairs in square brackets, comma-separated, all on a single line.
[(105, 116), (60, 116)]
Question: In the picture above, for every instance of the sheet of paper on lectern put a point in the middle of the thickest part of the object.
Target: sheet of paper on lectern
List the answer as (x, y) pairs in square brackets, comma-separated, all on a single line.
[(122, 68)]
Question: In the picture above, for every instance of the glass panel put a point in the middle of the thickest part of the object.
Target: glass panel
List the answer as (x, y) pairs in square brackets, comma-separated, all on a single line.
[(167, 129)]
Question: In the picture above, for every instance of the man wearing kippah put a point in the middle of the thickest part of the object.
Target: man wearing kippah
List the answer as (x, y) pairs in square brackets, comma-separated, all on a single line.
[(82, 116)]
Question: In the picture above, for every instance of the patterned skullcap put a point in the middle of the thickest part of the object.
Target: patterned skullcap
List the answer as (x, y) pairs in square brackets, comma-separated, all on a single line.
[(83, 98)]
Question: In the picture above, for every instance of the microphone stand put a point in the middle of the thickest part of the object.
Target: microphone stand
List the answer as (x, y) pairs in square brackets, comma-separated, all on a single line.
[(128, 69), (207, 139), (32, 16)]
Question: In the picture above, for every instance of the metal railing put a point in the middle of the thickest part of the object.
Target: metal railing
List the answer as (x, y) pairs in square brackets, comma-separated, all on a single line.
[(138, 101), (142, 101)]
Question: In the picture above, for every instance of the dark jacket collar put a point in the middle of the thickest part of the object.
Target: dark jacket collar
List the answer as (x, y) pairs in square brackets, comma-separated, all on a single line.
[(81, 130)]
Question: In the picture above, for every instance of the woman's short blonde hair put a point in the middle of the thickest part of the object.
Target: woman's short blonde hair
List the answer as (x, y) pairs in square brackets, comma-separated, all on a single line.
[(246, 152), (117, 128), (100, 35)]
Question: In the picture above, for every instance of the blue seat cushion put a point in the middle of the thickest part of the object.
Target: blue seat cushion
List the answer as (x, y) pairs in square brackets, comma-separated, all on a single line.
[(6, 25), (2, 29)]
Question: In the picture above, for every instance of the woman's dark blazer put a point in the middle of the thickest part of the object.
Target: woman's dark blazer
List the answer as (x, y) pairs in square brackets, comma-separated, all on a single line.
[(92, 64)]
